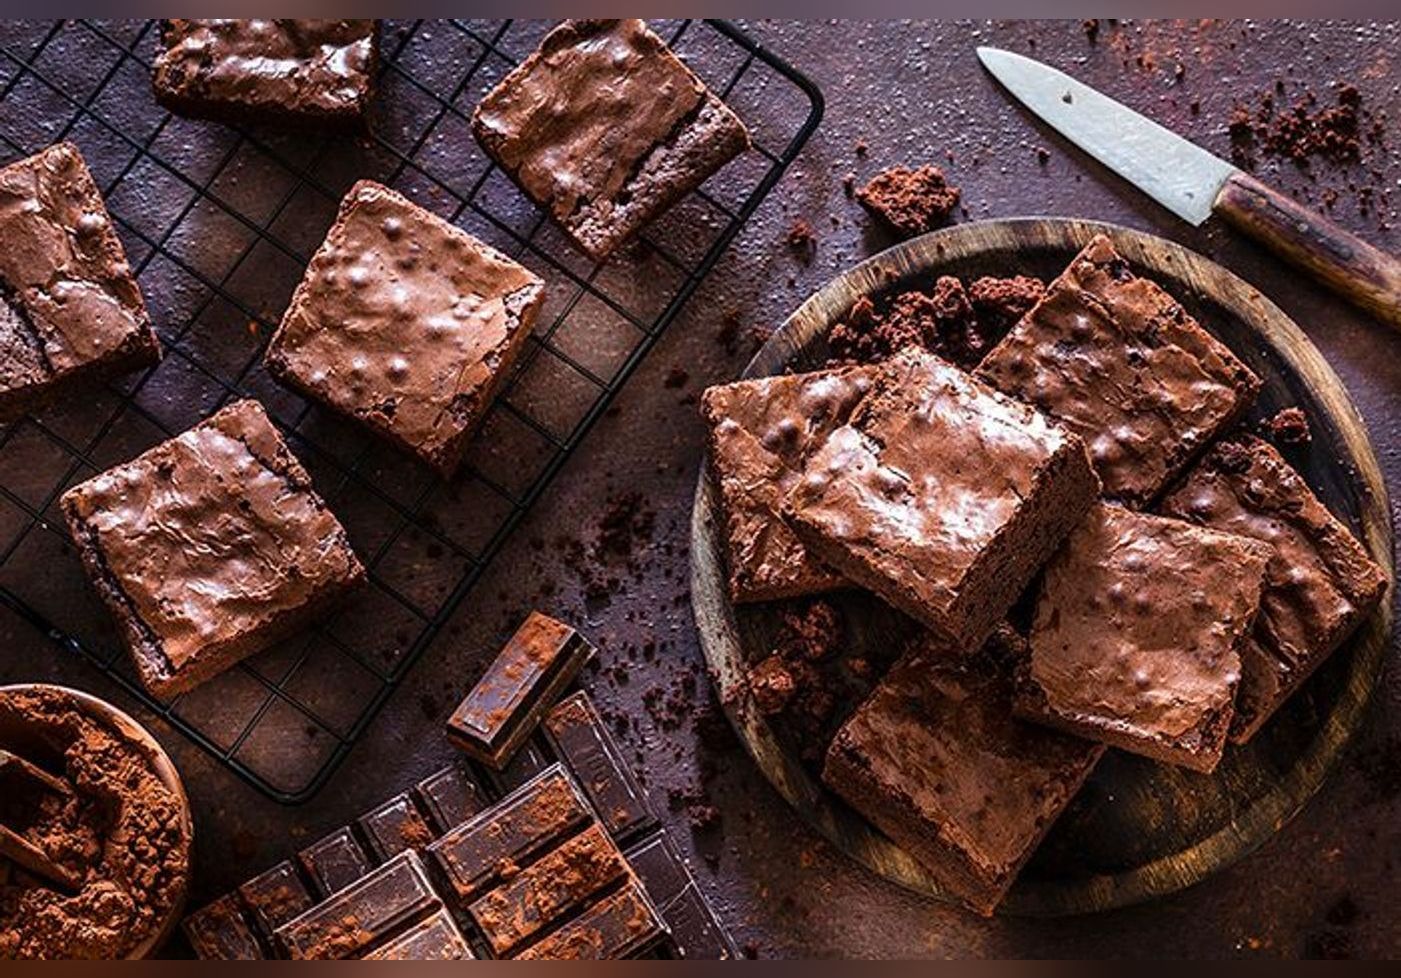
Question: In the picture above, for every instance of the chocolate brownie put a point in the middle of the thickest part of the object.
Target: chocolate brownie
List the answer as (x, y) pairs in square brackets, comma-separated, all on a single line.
[(1319, 585), (604, 128), (1121, 363), (909, 201), (70, 310), (1136, 637), (760, 433), (406, 324), (209, 547), (935, 759), (299, 71), (941, 495)]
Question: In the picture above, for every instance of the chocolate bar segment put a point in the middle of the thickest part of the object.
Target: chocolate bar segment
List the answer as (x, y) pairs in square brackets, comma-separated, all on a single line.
[(547, 890), (219, 932), (449, 797), (582, 742), (695, 932), (506, 704), (275, 897), (616, 927), (659, 866), (435, 938), (364, 914), (503, 837), (334, 862), (394, 827), (527, 763)]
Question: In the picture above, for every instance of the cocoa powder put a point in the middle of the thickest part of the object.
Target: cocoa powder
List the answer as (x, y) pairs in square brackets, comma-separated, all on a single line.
[(120, 831)]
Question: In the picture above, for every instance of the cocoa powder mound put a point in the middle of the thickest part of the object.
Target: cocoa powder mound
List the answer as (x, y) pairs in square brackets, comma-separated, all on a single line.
[(120, 831)]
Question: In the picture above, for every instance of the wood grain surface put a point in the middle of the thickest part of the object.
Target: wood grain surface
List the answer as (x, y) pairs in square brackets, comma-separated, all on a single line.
[(1139, 829)]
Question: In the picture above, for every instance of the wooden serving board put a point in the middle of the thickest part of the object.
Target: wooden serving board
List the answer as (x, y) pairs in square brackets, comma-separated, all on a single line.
[(1138, 829)]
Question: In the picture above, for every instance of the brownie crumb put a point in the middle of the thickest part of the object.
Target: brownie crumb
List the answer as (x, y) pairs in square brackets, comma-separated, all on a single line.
[(1289, 427), (802, 240), (861, 147), (910, 201), (849, 185), (1335, 133), (771, 684), (958, 323), (1091, 29)]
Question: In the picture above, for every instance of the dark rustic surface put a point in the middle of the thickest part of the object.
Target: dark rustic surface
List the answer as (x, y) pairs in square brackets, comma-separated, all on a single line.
[(1325, 885)]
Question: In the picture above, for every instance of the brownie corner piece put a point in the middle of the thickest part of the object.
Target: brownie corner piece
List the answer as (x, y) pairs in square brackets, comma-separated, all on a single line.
[(1321, 583), (941, 495), (1117, 359), (209, 547), (759, 433), (1137, 632), (70, 309), (265, 70), (936, 761), (406, 324), (604, 128)]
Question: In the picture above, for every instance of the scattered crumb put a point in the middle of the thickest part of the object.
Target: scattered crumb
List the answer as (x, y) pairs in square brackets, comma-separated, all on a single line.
[(1289, 427), (910, 201), (802, 240)]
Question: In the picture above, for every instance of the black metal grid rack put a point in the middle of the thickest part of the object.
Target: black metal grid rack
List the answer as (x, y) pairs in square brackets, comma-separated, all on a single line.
[(219, 222)]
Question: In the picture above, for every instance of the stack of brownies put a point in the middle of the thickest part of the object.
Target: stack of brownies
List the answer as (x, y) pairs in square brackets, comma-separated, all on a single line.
[(1184, 579)]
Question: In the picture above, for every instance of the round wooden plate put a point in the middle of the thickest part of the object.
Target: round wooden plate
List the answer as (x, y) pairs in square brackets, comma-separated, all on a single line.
[(1138, 829), (116, 720)]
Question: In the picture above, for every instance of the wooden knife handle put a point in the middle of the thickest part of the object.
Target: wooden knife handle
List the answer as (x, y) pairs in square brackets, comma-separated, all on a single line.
[(1364, 275)]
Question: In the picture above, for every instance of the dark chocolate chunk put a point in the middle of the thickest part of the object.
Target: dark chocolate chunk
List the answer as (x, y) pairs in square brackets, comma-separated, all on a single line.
[(548, 889), (393, 827), (449, 797), (274, 897), (618, 926), (498, 841), (364, 914), (660, 868), (504, 707), (526, 763), (695, 932), (584, 744), (435, 938), (219, 932), (334, 862)]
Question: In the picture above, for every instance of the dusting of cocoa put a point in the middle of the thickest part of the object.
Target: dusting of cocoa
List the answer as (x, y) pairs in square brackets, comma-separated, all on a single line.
[(910, 201), (121, 831)]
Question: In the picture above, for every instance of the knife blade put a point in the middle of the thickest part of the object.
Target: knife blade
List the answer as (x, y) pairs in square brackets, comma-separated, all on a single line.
[(1195, 184)]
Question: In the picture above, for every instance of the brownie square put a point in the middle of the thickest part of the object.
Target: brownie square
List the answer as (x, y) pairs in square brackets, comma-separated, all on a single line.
[(405, 323), (941, 495), (1120, 362), (760, 433), (209, 547), (1319, 584), (320, 71), (935, 759), (1136, 635), (604, 128), (70, 310)]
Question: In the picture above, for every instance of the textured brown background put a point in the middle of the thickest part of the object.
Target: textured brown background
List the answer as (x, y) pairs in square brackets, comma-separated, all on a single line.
[(912, 92)]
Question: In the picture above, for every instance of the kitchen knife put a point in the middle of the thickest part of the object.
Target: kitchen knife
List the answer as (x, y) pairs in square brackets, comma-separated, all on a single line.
[(1194, 184)]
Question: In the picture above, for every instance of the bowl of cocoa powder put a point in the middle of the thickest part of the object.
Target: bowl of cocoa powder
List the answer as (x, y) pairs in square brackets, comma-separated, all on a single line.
[(121, 829)]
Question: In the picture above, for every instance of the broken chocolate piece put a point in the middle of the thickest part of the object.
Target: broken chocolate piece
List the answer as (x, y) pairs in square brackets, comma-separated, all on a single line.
[(502, 838), (274, 897), (695, 932), (364, 914), (504, 707), (449, 797), (393, 827), (549, 888), (583, 743), (219, 932)]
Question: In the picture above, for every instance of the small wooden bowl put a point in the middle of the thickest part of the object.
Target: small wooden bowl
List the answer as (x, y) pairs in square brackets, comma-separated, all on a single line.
[(1138, 829), (114, 719)]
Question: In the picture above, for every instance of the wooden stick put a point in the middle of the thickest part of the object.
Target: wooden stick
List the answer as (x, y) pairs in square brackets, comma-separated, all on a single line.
[(31, 858)]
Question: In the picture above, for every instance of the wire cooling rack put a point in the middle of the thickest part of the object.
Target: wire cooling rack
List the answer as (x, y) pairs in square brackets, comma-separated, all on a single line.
[(219, 222)]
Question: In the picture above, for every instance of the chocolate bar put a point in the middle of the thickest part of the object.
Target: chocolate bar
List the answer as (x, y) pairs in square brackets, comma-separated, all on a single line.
[(583, 743), (548, 889), (220, 932), (393, 827), (618, 926), (334, 862), (532, 758), (435, 938), (449, 797), (503, 837), (364, 914), (275, 897), (696, 933), (526, 677)]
